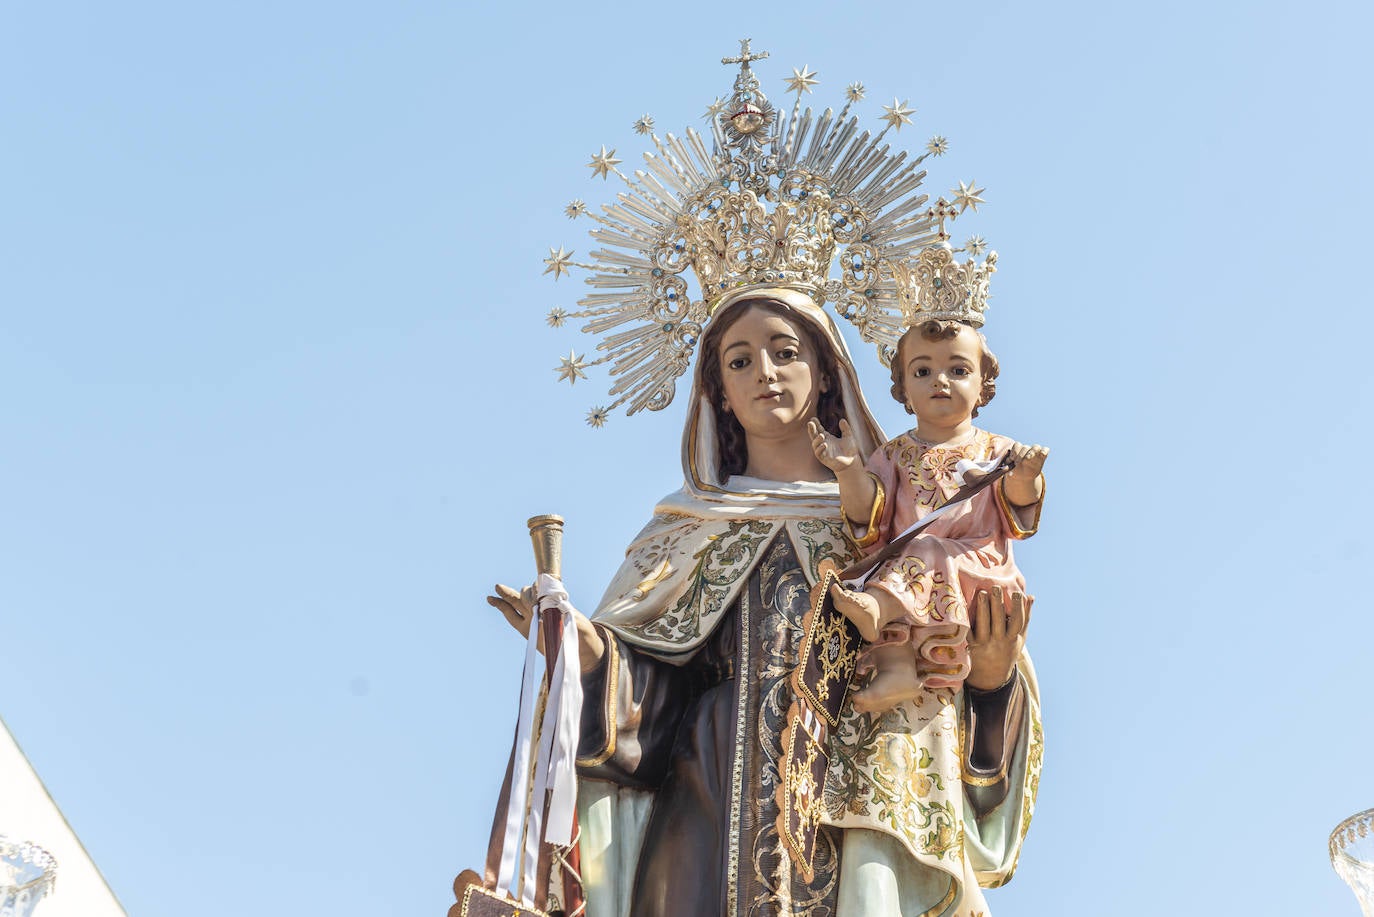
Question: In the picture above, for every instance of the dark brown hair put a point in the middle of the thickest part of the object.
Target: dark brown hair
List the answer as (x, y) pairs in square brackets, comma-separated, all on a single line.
[(943, 331), (730, 441)]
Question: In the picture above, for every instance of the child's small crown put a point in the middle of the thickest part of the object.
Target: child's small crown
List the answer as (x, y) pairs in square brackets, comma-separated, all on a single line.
[(936, 287)]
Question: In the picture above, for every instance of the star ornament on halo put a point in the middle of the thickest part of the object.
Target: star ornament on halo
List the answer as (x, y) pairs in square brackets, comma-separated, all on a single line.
[(976, 245), (602, 163), (937, 145), (557, 262), (571, 368), (898, 114), (597, 417), (801, 80), (575, 209), (644, 125), (714, 110), (967, 195), (855, 92), (557, 317)]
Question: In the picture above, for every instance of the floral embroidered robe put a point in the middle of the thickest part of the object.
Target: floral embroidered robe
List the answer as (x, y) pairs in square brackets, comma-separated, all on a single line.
[(682, 731), (970, 548)]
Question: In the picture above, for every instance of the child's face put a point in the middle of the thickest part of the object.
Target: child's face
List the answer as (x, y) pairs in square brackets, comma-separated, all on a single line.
[(942, 380)]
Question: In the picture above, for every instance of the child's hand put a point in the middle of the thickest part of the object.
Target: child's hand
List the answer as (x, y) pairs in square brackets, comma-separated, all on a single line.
[(836, 454), (1022, 484), (1030, 460)]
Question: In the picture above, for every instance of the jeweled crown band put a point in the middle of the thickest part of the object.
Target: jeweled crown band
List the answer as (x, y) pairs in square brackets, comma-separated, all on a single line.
[(936, 286)]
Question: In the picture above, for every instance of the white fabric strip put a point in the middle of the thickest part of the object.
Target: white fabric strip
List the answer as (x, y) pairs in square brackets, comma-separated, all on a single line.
[(568, 715), (534, 819), (519, 783), (555, 762)]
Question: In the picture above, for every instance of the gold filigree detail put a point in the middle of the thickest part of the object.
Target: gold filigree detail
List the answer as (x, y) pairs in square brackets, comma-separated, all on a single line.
[(875, 515), (930, 469), (737, 765), (825, 539), (838, 655), (934, 286), (1011, 514), (646, 585), (721, 563)]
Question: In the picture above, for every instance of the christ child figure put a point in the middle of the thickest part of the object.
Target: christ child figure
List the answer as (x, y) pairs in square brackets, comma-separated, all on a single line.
[(916, 609)]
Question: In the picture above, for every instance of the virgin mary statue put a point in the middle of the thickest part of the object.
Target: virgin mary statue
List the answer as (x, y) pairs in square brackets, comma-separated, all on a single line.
[(686, 658)]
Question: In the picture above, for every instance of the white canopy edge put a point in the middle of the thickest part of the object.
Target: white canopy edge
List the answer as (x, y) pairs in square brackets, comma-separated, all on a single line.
[(29, 813)]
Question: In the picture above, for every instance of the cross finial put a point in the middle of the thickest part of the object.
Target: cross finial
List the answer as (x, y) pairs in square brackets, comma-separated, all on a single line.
[(745, 55)]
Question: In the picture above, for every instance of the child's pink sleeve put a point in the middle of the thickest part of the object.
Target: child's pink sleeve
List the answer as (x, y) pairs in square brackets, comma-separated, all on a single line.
[(1020, 522)]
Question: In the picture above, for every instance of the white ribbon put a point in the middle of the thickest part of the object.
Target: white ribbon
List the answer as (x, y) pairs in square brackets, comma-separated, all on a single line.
[(555, 765), (964, 466), (562, 718), (518, 802)]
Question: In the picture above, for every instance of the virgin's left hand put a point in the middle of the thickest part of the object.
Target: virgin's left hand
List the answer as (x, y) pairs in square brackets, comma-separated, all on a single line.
[(997, 634)]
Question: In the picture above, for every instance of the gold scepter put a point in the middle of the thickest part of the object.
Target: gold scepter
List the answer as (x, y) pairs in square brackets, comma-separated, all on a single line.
[(546, 535), (477, 895)]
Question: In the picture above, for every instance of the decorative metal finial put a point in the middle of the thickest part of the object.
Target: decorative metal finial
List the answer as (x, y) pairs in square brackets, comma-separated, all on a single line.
[(749, 117), (746, 57)]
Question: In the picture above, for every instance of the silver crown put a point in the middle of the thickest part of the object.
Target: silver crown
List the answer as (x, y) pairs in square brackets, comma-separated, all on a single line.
[(935, 286), (771, 204)]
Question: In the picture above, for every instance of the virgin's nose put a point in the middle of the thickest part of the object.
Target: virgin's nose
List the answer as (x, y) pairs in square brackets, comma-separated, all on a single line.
[(768, 370)]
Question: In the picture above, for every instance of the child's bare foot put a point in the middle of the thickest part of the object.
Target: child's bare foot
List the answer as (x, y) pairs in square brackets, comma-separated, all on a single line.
[(861, 608), (889, 687)]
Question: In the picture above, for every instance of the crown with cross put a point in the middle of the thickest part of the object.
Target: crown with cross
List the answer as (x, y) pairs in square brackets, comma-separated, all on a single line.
[(936, 286), (803, 200)]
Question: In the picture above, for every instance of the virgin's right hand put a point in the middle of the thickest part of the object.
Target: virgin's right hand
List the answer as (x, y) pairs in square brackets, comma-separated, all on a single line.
[(516, 607), (835, 453)]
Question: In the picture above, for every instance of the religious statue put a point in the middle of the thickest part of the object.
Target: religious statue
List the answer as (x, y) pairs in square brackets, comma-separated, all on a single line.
[(689, 665)]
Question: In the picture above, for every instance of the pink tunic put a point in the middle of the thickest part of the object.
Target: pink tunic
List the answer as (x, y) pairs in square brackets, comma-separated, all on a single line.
[(940, 570)]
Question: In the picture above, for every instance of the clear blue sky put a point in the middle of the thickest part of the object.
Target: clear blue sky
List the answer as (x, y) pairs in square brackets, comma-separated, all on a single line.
[(273, 367)]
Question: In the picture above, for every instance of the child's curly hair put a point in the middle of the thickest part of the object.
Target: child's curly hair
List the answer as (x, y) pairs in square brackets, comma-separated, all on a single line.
[(941, 331)]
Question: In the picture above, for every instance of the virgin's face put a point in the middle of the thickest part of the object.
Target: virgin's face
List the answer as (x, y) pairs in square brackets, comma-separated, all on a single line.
[(769, 373)]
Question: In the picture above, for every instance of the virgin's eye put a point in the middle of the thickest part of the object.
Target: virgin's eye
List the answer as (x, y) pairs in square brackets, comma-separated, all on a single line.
[(787, 353), (959, 371), (738, 363), (921, 372)]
